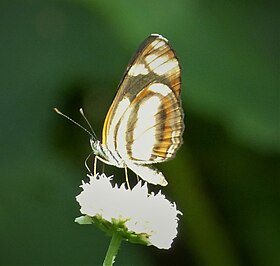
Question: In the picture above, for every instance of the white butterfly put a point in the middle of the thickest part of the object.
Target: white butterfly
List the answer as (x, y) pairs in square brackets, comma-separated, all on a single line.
[(144, 124)]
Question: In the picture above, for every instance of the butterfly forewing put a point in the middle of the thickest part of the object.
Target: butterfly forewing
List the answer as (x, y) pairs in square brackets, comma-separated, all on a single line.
[(144, 124), (154, 61)]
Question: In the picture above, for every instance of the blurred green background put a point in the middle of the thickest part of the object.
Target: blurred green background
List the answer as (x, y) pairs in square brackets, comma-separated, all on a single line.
[(225, 178)]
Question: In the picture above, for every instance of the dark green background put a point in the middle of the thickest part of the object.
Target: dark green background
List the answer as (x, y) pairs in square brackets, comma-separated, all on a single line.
[(225, 178)]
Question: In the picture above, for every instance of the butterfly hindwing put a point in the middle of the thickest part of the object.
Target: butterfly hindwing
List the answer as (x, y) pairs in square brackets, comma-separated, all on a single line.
[(150, 131)]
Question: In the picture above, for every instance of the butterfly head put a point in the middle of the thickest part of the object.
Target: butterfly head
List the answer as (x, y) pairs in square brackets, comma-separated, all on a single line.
[(96, 146)]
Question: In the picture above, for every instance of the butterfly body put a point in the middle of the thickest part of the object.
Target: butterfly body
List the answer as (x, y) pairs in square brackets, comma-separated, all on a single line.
[(144, 124)]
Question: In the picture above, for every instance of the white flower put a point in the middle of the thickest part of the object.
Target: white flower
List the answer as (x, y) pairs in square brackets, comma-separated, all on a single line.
[(151, 217)]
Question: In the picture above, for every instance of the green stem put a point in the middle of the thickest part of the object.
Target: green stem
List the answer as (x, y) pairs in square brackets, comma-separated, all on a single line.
[(112, 250)]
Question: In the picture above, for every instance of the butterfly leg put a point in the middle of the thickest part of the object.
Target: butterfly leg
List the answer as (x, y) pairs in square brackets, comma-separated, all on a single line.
[(95, 165), (86, 165), (103, 167), (126, 177)]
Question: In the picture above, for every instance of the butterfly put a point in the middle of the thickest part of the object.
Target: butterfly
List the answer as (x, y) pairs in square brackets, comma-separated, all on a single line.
[(145, 122)]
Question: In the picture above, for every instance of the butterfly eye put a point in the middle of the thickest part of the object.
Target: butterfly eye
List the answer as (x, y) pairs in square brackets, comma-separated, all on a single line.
[(92, 142), (95, 146)]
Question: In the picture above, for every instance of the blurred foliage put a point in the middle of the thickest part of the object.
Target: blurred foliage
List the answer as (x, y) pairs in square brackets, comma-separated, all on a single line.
[(225, 178)]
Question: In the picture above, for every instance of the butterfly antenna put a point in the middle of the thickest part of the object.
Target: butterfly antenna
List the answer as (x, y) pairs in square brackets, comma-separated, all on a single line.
[(83, 115), (93, 136)]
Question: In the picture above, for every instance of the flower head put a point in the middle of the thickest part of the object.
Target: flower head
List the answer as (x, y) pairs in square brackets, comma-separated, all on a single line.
[(139, 216)]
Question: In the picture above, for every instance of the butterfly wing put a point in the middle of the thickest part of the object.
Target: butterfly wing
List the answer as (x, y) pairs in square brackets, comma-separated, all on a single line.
[(155, 61), (144, 124), (151, 128), (150, 131)]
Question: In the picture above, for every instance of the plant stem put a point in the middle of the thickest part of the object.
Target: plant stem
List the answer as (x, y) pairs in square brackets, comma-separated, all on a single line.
[(112, 250)]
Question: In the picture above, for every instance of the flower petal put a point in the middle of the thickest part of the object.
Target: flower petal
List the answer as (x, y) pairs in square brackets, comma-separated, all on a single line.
[(150, 216)]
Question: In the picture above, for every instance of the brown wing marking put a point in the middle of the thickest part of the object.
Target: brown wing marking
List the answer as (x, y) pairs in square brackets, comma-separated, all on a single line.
[(130, 85), (163, 130)]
